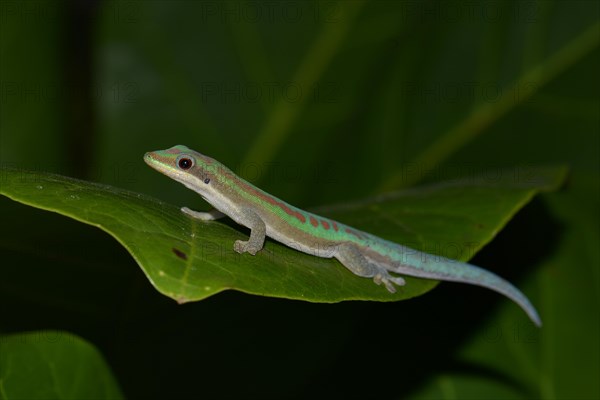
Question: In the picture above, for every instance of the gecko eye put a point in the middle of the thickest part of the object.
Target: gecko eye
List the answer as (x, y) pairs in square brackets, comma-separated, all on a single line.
[(185, 162), (207, 181)]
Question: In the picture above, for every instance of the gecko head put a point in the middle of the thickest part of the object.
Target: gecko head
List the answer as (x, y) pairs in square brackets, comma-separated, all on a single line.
[(196, 171)]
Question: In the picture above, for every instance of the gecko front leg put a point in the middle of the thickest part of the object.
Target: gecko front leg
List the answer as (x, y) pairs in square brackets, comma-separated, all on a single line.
[(204, 216), (258, 232)]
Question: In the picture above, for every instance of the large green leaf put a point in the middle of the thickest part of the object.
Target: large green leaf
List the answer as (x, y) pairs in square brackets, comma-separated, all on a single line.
[(188, 260), (53, 365)]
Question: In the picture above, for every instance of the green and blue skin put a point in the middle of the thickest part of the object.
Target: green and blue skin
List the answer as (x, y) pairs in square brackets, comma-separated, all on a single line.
[(364, 254)]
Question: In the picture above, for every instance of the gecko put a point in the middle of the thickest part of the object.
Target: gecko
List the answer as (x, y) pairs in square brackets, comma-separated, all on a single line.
[(362, 253)]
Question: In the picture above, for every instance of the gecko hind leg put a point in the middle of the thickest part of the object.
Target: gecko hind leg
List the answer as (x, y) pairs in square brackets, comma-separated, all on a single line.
[(351, 257)]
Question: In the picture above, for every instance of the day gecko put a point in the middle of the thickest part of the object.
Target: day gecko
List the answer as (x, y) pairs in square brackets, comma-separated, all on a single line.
[(364, 254)]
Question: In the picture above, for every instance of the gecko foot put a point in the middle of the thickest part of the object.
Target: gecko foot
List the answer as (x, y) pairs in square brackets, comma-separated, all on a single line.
[(388, 281), (244, 246)]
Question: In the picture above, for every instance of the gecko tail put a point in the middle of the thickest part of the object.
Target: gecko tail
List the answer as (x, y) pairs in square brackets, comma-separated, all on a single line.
[(423, 265)]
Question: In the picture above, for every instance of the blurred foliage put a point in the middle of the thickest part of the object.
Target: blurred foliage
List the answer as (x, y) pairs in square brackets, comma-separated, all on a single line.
[(317, 102), (53, 365)]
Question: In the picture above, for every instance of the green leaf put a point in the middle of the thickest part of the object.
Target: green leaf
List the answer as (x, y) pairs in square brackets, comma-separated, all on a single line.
[(53, 365), (188, 260)]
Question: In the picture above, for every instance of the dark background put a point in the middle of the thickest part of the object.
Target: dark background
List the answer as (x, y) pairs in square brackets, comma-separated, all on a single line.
[(317, 102)]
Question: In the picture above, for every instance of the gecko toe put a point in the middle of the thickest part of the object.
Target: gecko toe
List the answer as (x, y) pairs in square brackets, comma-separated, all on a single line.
[(398, 280), (389, 286), (239, 246)]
